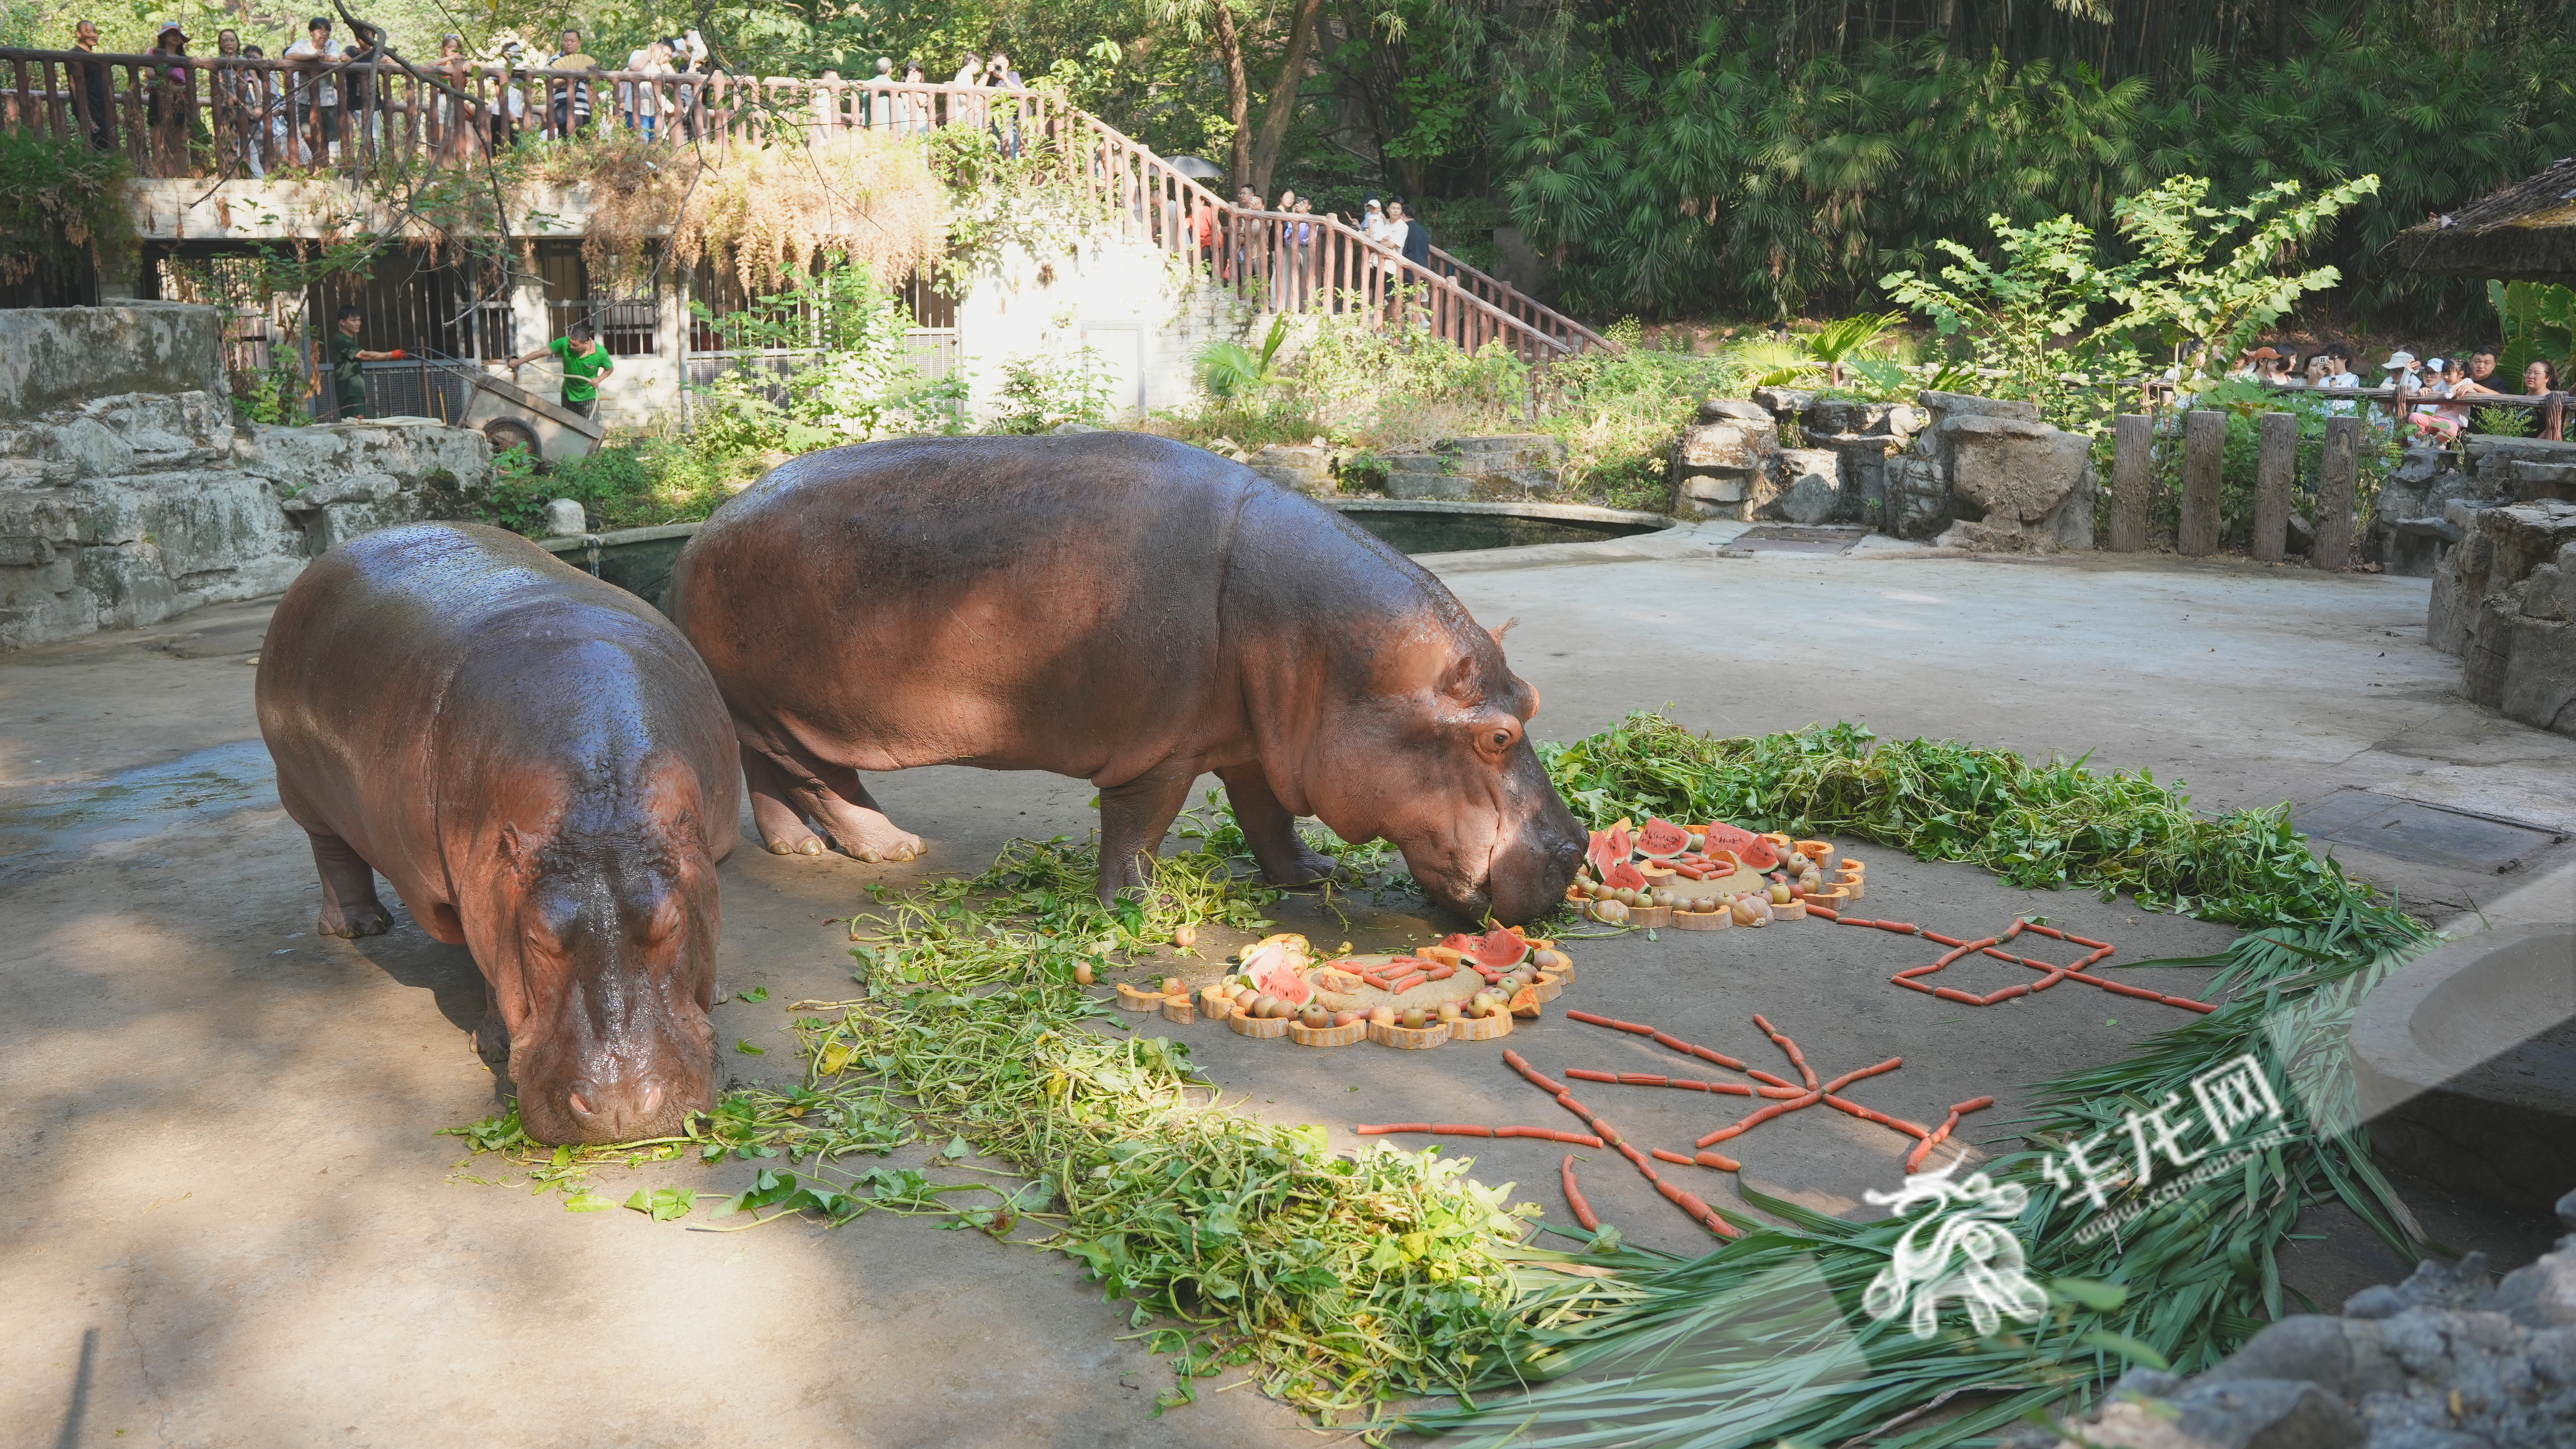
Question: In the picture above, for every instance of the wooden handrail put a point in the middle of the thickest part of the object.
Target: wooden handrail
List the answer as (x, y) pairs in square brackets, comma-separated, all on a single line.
[(269, 114)]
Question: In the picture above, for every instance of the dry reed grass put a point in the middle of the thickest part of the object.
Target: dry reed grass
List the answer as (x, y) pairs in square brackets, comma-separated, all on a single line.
[(769, 211)]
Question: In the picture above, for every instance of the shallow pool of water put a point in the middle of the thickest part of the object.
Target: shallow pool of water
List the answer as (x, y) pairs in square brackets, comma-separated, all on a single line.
[(1441, 531)]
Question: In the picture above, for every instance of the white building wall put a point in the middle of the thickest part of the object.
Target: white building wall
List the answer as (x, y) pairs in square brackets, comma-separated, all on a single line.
[(1145, 312)]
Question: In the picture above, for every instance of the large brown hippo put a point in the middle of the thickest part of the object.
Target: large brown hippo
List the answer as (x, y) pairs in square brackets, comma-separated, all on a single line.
[(1130, 611), (542, 768)]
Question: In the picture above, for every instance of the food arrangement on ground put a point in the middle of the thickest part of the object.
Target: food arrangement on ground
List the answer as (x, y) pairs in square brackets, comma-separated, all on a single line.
[(1467, 988), (1707, 877)]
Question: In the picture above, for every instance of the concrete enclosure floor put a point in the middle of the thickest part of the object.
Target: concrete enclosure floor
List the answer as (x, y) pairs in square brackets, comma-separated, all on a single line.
[(235, 1226)]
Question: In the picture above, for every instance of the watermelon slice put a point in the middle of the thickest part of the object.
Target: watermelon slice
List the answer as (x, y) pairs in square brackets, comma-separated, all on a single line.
[(1624, 876), (1752, 849), (1662, 839), (1274, 965), (1599, 854), (1500, 950), (1622, 844), (1462, 943)]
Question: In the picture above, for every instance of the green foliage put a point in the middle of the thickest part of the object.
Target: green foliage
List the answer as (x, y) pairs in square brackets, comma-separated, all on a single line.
[(2175, 287), (1231, 373), (2027, 321), (1042, 391), (62, 202), (1769, 173), (517, 496), (273, 395), (2052, 825), (2539, 320)]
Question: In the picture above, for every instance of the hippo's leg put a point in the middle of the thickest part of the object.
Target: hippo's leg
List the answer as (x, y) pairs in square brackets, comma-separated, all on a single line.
[(1134, 818), (839, 803), (1285, 857), (782, 829), (349, 904)]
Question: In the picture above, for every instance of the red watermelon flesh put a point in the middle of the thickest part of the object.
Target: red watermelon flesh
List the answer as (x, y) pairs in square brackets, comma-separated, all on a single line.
[(1622, 844), (1624, 876), (1500, 950), (1754, 851), (1662, 839), (1601, 855), (1462, 943), (1273, 969)]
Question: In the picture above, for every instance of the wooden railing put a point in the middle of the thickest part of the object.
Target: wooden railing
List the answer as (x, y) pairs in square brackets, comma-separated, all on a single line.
[(225, 118)]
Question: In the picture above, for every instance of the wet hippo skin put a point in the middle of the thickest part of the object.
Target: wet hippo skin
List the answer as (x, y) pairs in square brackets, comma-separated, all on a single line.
[(544, 771), (1127, 610)]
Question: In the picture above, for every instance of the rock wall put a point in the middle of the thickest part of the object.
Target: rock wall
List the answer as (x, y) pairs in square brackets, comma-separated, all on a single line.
[(2445, 1360), (1502, 467), (1987, 474), (2504, 599), (131, 504)]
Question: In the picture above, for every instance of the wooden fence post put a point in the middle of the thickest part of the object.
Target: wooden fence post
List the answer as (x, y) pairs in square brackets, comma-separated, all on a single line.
[(2133, 480), (2204, 452), (2336, 477), (2273, 475)]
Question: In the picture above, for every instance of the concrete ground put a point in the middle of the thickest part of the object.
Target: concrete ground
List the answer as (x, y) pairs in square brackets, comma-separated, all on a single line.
[(235, 1226)]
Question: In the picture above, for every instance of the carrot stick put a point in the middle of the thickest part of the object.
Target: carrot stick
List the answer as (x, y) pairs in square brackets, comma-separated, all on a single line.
[(1367, 1131), (1758, 1118), (1660, 1155), (1601, 1127), (1461, 1129), (1946, 994), (1718, 1160), (2125, 989), (1639, 1158), (1937, 937), (1867, 1115), (1701, 1052), (1574, 1199), (1639, 1079), (1902, 928), (2072, 940), (1911, 982), (1586, 1074), (1847, 1078), (2203, 1007), (2007, 993), (2043, 930)]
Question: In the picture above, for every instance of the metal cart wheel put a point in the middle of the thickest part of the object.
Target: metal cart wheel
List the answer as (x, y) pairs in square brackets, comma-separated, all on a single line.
[(506, 433)]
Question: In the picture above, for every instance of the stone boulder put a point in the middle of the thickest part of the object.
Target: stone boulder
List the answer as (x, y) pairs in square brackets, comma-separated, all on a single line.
[(2445, 1360), (1807, 488), (134, 507), (1727, 409), (2497, 548), (1719, 464), (1783, 403), (1497, 468), (1300, 468), (2024, 485)]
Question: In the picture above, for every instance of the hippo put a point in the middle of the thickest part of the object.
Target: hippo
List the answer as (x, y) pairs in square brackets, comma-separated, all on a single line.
[(545, 772), (1127, 610)]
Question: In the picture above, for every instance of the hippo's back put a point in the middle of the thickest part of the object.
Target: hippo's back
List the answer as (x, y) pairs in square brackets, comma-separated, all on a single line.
[(1043, 603), (404, 651)]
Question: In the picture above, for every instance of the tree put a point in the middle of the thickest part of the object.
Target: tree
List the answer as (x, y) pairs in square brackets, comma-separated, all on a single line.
[(2175, 287)]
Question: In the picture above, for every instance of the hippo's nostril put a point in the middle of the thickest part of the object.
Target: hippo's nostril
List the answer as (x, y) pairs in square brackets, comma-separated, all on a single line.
[(579, 1107), (652, 1100)]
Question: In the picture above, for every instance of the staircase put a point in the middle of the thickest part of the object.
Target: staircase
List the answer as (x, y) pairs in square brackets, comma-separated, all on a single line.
[(1282, 262)]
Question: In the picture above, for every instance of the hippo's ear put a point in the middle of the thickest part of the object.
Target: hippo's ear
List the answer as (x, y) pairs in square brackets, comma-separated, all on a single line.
[(1460, 681), (1503, 628), (517, 851)]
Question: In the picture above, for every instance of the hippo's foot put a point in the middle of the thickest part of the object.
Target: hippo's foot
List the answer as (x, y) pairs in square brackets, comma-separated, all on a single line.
[(869, 836), (1302, 867), (366, 918), (492, 1040), (801, 842)]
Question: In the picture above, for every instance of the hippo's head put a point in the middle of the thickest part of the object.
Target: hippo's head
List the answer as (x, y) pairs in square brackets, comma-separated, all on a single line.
[(602, 965), (1434, 758)]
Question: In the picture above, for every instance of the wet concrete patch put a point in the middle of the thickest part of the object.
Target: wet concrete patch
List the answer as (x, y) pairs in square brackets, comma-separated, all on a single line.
[(2409, 830), (44, 827)]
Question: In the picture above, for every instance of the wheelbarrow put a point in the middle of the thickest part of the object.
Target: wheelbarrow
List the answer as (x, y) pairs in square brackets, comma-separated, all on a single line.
[(510, 416)]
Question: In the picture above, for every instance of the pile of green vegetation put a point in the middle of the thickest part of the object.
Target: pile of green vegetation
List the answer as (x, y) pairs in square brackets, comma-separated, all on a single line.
[(1342, 1285)]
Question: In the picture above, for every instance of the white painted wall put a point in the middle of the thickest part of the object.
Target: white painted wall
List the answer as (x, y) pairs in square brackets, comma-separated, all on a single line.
[(1147, 314)]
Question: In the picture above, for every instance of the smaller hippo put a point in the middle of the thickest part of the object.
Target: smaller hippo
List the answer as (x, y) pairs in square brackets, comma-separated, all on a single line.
[(542, 768)]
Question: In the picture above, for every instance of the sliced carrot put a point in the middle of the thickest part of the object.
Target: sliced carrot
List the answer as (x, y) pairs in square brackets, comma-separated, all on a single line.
[(1574, 1199), (1963, 998), (1718, 1160)]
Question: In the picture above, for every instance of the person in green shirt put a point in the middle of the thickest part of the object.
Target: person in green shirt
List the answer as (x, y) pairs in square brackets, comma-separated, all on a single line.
[(584, 362), (348, 378)]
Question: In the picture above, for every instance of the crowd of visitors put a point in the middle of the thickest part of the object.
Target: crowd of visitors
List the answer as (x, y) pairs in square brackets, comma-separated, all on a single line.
[(306, 116), (2435, 398)]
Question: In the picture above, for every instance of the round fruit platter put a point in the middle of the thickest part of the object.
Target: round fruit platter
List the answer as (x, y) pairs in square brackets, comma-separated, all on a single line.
[(1708, 877), (1467, 988)]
